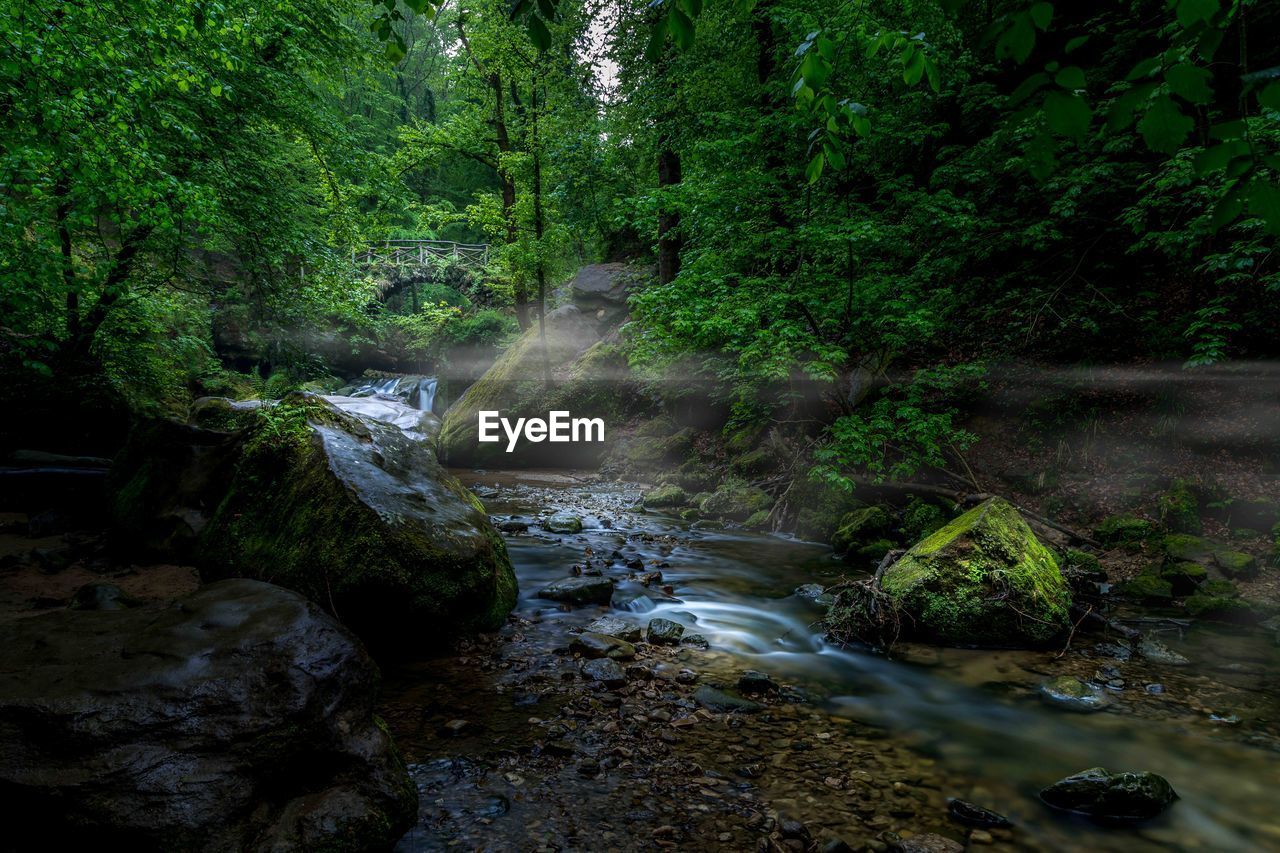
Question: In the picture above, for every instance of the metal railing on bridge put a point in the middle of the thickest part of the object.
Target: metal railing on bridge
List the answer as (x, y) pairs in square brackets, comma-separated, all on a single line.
[(421, 253)]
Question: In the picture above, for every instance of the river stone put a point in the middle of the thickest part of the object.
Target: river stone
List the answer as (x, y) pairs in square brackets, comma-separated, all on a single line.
[(1099, 793), (975, 815), (754, 681), (1069, 692), (592, 645), (239, 718), (984, 579), (1157, 652), (605, 671), (664, 631), (929, 842), (665, 496), (563, 522), (353, 513), (614, 626), (587, 589), (98, 595), (722, 701)]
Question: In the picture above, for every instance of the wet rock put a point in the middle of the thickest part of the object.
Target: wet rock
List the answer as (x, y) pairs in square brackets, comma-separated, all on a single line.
[(1112, 650), (101, 596), (754, 681), (241, 717), (835, 845), (563, 522), (736, 501), (665, 496), (975, 815), (686, 676), (929, 842), (983, 579), (605, 671), (579, 590), (696, 641), (1072, 694), (511, 526), (1184, 577), (724, 702), (1155, 651), (352, 513), (456, 728), (1155, 689), (1182, 547), (614, 626), (1099, 793), (1123, 530), (664, 631), (792, 828), (1236, 565), (592, 645)]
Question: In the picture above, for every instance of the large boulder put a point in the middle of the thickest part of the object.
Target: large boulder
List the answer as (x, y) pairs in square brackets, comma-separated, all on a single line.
[(354, 513), (575, 372), (239, 718), (602, 290), (981, 580)]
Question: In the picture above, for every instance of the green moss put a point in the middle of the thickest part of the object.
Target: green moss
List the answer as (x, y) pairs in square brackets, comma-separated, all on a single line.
[(1082, 561), (1123, 530), (921, 518), (1182, 547), (1179, 509), (860, 527), (1147, 587), (759, 518), (982, 579), (1220, 608), (875, 550), (755, 463), (1184, 577), (736, 501), (662, 496), (1235, 564)]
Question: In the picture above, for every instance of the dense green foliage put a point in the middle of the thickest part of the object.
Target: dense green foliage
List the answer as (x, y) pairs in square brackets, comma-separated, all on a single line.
[(853, 207)]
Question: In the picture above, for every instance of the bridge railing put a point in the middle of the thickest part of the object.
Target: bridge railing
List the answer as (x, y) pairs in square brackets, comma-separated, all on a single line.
[(410, 253)]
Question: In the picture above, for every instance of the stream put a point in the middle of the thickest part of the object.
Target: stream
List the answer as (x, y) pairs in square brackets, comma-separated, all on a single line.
[(897, 737)]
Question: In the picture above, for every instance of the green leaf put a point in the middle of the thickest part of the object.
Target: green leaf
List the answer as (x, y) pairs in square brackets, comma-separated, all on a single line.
[(1017, 40), (832, 149), (1067, 114), (1190, 82), (1028, 87), (815, 70), (394, 51), (681, 28), (1216, 158), (1145, 68), (416, 5), (744, 7), (814, 170), (1228, 207), (1041, 14), (1164, 127), (1071, 77), (657, 40), (538, 33), (1264, 203), (1191, 12), (913, 68), (931, 71), (1075, 44)]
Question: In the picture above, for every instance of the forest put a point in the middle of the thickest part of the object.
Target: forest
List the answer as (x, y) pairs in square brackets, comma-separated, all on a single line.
[(935, 346)]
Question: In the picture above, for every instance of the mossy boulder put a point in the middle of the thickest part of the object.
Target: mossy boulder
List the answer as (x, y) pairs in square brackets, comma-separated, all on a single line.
[(1183, 547), (755, 463), (1236, 564), (1179, 508), (1101, 794), (736, 501), (757, 519), (1124, 530), (982, 580), (1184, 578), (529, 379), (664, 496), (1148, 586), (860, 527), (223, 413), (353, 513)]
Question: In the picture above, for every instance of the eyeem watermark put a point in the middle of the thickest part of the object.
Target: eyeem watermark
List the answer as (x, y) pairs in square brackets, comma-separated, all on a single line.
[(557, 427)]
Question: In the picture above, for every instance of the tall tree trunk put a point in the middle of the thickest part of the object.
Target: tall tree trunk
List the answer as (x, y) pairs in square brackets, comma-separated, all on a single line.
[(77, 348), (668, 217), (62, 212), (508, 189), (538, 228)]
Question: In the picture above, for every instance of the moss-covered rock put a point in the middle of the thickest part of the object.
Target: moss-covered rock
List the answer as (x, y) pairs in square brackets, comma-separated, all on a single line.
[(736, 501), (1148, 586), (874, 550), (1179, 508), (984, 579), (1221, 608), (223, 413), (352, 513), (1082, 561), (861, 527), (1124, 530), (755, 463), (1182, 547), (1236, 564), (663, 496), (574, 372), (757, 519), (693, 476), (1185, 578), (920, 518)]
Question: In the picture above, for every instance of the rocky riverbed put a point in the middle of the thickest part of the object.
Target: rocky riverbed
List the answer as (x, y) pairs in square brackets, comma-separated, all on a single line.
[(750, 732)]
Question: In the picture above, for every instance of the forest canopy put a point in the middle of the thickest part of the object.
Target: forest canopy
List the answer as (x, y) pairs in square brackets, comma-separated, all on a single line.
[(871, 198)]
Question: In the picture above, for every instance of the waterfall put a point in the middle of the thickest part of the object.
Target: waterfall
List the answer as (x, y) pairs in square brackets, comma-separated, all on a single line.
[(418, 392)]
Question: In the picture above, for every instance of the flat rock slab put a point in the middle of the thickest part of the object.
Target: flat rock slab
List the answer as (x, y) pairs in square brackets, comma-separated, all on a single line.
[(238, 718), (593, 645), (605, 671), (724, 702), (614, 626), (579, 590)]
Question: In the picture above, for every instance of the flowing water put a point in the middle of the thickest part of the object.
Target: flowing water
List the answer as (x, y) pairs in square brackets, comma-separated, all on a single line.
[(418, 392), (971, 719)]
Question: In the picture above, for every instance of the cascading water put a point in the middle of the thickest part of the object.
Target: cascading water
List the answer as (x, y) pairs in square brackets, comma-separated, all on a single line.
[(419, 392)]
